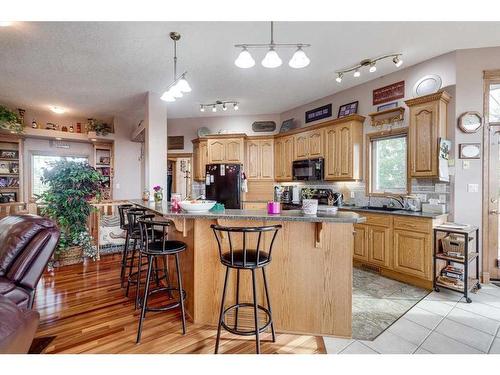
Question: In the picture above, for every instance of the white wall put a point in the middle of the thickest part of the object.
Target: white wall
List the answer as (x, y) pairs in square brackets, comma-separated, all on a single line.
[(188, 127)]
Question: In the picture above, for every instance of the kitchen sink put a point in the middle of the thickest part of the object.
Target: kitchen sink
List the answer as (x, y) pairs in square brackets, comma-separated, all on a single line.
[(384, 208)]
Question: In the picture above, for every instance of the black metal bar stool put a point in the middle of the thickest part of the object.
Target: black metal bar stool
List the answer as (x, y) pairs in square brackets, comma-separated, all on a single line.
[(154, 246), (122, 209), (245, 258), (134, 234)]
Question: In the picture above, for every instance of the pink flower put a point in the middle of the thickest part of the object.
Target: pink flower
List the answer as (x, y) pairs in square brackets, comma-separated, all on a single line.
[(157, 188)]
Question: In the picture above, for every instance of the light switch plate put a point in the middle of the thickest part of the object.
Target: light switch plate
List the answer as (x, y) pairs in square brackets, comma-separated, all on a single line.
[(472, 188), (117, 186), (442, 198), (422, 197), (353, 195), (465, 164)]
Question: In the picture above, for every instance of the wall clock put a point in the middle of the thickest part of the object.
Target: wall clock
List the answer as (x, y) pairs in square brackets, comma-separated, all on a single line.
[(470, 122)]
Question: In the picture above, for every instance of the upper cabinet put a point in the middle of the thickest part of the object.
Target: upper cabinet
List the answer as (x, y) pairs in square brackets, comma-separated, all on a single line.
[(343, 150), (428, 119), (308, 144), (200, 158), (260, 159), (225, 149), (283, 158)]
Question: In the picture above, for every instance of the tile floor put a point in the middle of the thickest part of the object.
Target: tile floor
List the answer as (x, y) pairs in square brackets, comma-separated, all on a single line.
[(441, 323)]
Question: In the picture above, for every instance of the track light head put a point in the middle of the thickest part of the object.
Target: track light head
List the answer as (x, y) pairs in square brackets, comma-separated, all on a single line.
[(373, 67), (397, 61), (235, 106), (214, 108), (202, 108), (339, 77), (356, 73)]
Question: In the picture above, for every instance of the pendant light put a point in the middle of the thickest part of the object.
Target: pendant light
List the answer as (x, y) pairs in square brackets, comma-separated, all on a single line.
[(272, 59), (180, 85)]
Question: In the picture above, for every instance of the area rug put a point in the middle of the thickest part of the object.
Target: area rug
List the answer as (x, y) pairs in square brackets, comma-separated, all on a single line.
[(377, 302)]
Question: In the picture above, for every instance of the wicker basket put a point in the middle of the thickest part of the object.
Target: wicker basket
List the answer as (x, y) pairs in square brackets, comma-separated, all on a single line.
[(72, 255), (454, 245)]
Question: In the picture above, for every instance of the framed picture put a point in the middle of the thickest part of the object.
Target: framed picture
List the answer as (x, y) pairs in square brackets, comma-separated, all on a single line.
[(288, 125), (4, 167), (389, 93), (11, 196), (319, 113), (104, 160), (469, 150), (383, 107), (348, 109)]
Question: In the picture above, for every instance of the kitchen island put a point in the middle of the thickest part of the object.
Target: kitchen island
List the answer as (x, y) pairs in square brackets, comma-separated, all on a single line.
[(309, 277)]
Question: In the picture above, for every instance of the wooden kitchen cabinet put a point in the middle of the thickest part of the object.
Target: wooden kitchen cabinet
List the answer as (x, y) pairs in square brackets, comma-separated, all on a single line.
[(283, 158), (225, 149), (360, 242), (427, 124), (379, 245), (344, 151), (260, 159), (200, 159), (309, 144)]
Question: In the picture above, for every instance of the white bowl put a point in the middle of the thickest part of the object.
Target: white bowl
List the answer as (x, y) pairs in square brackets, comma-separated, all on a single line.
[(197, 206)]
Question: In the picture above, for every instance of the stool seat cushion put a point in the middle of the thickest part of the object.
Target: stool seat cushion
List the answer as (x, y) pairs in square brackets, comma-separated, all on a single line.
[(171, 247), (250, 261)]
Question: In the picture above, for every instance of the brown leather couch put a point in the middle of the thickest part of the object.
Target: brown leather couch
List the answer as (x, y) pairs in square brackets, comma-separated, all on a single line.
[(17, 327), (26, 244)]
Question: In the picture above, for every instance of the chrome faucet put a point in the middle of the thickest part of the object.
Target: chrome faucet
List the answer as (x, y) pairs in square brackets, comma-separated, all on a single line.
[(398, 198)]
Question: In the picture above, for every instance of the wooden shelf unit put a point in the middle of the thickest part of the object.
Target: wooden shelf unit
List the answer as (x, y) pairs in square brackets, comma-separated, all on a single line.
[(471, 233), (387, 116), (14, 165), (105, 167)]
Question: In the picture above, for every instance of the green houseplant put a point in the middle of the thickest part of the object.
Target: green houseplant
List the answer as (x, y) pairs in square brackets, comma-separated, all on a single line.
[(9, 120), (71, 187), (99, 127)]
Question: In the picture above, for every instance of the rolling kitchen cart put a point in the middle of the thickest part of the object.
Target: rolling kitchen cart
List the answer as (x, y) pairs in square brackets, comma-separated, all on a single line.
[(453, 248)]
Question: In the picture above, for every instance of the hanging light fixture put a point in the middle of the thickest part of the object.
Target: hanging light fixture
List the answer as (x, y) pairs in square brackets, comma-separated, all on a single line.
[(370, 63), (180, 85), (272, 59), (202, 108)]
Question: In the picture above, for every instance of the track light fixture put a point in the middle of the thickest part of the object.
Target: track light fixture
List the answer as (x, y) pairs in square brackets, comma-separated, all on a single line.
[(272, 60), (224, 105), (180, 85), (371, 63)]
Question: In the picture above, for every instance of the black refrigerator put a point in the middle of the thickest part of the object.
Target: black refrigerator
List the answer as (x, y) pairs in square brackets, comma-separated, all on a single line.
[(223, 184)]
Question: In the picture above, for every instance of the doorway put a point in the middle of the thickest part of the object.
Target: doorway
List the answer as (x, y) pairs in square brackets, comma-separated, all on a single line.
[(491, 201)]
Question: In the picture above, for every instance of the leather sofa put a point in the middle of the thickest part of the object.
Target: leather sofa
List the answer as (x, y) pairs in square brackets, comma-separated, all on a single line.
[(26, 244), (17, 327)]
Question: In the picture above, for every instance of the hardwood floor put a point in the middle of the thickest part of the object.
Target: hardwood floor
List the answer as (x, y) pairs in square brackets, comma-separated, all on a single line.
[(85, 309)]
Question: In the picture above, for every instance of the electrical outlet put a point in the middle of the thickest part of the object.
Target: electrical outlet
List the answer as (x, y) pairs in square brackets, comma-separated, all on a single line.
[(465, 164), (472, 188), (422, 197), (442, 198), (440, 188), (353, 195)]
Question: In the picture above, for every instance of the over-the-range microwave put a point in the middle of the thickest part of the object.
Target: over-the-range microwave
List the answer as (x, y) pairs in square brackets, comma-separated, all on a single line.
[(308, 170)]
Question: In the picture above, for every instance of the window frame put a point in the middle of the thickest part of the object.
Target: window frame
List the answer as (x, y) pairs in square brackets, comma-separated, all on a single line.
[(32, 155), (370, 137)]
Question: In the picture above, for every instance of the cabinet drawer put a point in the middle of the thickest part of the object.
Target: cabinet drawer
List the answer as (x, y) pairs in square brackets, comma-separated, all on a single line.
[(413, 224), (374, 219)]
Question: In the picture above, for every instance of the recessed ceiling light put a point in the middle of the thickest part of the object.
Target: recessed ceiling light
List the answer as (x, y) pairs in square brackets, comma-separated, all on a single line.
[(5, 23), (57, 110)]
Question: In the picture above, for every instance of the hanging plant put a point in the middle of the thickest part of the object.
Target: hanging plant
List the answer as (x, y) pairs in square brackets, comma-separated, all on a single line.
[(71, 188), (10, 121)]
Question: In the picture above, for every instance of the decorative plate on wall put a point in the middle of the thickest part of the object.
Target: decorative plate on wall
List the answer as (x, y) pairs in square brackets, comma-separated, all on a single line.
[(427, 85), (203, 131)]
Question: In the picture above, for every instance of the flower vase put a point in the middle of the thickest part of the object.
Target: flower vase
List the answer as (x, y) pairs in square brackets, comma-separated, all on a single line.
[(158, 196)]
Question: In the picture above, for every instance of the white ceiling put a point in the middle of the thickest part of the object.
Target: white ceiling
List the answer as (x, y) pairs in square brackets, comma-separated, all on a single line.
[(104, 68)]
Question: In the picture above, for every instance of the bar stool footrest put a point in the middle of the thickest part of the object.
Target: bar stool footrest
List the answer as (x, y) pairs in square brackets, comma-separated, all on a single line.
[(132, 278), (167, 307), (247, 332)]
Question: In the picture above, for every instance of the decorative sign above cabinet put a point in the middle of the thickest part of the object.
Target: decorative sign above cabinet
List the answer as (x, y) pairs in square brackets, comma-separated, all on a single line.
[(263, 126), (389, 93), (319, 113)]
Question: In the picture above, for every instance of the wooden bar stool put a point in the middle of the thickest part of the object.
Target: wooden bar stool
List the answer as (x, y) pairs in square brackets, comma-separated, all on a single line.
[(122, 211), (245, 258)]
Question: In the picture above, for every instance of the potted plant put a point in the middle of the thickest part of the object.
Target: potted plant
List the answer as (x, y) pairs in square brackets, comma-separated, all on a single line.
[(10, 121), (71, 188), (97, 127), (158, 193), (309, 205)]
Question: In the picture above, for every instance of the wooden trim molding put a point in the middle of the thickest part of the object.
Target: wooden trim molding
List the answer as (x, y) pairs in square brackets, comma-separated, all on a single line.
[(368, 159), (491, 74), (442, 95)]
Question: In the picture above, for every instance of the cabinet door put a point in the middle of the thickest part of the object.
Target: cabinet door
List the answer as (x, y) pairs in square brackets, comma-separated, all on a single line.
[(216, 151), (424, 140), (331, 144), (379, 245), (196, 162), (412, 253), (266, 159), (360, 243), (288, 149), (253, 160), (301, 146), (316, 143), (203, 158), (278, 159), (345, 152), (234, 150)]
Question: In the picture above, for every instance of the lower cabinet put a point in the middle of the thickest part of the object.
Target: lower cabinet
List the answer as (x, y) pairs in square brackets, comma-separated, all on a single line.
[(360, 242), (412, 253), (379, 245)]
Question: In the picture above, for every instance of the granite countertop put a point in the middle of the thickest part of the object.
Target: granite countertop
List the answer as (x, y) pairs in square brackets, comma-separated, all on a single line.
[(398, 212), (228, 214)]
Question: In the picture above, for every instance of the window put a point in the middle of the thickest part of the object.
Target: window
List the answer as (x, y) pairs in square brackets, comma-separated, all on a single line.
[(40, 162), (387, 163), (494, 103)]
